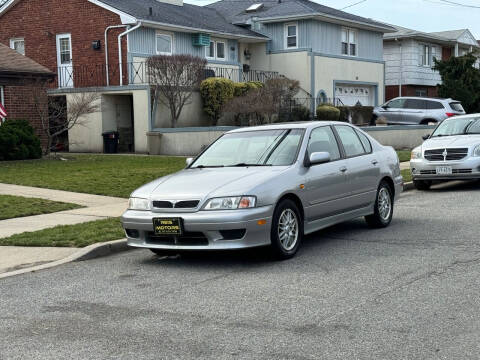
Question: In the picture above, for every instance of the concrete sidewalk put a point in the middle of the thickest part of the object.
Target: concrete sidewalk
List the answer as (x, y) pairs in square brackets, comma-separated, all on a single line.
[(96, 207), (405, 165)]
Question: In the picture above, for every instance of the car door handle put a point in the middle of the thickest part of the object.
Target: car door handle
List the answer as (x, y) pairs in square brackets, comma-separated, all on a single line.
[(374, 162), (343, 169)]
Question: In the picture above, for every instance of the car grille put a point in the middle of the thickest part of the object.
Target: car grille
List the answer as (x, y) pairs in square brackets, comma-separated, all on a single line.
[(452, 154), (454, 171), (186, 239), (184, 204)]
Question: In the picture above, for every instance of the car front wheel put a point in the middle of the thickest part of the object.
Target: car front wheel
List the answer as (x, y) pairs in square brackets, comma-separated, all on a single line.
[(383, 211), (287, 230)]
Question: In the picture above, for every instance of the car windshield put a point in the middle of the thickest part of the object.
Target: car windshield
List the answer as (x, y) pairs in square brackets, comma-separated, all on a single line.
[(252, 148), (458, 126)]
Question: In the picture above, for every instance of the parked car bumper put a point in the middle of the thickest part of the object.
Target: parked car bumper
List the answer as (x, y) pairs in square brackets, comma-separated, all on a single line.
[(203, 230), (465, 169)]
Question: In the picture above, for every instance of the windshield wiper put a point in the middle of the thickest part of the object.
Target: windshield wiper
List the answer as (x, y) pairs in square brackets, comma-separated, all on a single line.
[(206, 166), (245, 165)]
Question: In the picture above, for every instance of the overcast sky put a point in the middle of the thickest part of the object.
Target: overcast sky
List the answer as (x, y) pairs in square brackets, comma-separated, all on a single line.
[(423, 15)]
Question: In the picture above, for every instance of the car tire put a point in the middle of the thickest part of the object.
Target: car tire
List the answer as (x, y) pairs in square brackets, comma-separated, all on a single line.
[(422, 184), (287, 230), (383, 211)]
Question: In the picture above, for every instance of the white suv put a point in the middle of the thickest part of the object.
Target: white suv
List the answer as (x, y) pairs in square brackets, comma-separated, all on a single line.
[(418, 110)]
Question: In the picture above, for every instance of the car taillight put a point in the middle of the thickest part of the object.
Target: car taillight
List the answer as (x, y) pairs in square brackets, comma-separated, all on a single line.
[(450, 114)]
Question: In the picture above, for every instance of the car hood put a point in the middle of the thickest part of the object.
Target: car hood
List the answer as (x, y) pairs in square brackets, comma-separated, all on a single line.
[(199, 184), (458, 141)]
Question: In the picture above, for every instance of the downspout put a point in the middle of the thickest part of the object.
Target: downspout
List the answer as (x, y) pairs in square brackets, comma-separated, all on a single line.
[(106, 49), (312, 84), (2, 101), (400, 73), (120, 49)]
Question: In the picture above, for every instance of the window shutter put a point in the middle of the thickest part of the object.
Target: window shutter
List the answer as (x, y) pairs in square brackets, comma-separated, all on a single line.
[(420, 55)]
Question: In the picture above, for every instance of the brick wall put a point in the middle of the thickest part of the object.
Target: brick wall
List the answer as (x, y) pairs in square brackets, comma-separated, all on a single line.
[(19, 103), (392, 91), (39, 21)]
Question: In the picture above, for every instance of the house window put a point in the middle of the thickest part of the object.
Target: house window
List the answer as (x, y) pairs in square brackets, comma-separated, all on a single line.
[(425, 55), (164, 44), (65, 53), (220, 50), (18, 45), (349, 42), (216, 50), (291, 36)]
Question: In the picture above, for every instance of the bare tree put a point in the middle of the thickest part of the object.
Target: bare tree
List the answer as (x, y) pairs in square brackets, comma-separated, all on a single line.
[(262, 105), (57, 117), (174, 79)]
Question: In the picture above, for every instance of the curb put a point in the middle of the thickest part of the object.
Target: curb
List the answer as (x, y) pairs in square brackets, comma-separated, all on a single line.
[(408, 186), (87, 253)]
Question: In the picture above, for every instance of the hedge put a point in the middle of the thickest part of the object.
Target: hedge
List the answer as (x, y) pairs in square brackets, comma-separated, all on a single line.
[(241, 89), (327, 112), (215, 93), (18, 141), (360, 115)]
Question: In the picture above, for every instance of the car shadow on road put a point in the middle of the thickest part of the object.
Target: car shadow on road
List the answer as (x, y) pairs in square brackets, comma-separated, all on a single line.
[(456, 186)]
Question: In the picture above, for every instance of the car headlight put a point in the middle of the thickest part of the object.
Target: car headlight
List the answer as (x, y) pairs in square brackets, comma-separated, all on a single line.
[(138, 204), (231, 203), (476, 151), (416, 153)]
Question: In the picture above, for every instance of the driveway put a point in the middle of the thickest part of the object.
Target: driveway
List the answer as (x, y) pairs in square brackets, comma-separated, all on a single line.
[(411, 291)]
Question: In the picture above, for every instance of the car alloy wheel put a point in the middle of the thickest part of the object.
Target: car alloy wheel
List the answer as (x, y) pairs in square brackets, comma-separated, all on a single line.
[(288, 229), (384, 204)]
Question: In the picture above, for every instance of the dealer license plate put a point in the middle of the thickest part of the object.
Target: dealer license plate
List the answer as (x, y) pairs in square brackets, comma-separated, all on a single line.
[(444, 170), (167, 226)]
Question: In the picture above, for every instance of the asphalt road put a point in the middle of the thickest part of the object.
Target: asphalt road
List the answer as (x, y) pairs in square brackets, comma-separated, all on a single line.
[(411, 291)]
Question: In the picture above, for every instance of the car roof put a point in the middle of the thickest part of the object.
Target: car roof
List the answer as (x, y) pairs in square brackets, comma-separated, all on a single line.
[(467, 116), (426, 98), (286, 126)]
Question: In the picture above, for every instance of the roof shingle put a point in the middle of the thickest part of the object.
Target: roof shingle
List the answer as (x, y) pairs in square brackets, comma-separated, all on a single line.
[(13, 62)]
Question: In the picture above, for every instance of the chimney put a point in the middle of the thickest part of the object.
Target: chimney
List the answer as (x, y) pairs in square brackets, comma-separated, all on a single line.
[(172, 2)]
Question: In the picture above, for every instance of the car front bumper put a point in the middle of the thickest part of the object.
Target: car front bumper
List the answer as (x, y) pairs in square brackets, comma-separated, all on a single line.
[(202, 229), (465, 169)]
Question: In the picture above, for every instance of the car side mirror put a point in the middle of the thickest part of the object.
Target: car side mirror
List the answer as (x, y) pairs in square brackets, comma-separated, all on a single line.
[(189, 161), (426, 137), (319, 158), (385, 107)]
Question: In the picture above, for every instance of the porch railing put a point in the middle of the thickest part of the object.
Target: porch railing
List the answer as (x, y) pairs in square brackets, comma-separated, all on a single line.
[(135, 73)]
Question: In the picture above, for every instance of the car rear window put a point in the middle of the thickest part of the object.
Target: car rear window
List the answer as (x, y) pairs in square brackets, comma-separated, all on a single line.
[(415, 104), (434, 105), (456, 106)]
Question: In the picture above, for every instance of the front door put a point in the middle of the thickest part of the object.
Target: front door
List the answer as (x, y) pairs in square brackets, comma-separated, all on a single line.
[(326, 184), (64, 60)]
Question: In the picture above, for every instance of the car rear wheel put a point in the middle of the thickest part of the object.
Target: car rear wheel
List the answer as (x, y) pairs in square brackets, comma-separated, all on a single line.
[(422, 184), (383, 212), (287, 230)]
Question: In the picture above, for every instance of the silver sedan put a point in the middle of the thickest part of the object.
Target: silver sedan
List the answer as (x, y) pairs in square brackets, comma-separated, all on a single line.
[(267, 186), (452, 152)]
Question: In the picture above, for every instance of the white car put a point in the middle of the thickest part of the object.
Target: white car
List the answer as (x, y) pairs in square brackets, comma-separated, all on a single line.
[(452, 152)]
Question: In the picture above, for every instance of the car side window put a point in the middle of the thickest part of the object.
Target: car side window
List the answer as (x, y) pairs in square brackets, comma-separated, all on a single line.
[(434, 105), (365, 142), (351, 143), (415, 104), (396, 104), (322, 139)]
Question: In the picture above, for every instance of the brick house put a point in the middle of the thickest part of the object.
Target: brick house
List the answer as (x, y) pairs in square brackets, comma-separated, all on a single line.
[(19, 75)]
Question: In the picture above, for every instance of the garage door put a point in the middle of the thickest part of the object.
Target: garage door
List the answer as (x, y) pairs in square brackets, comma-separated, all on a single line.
[(351, 95)]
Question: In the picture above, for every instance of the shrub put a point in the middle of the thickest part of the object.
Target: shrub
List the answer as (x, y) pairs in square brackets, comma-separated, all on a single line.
[(362, 115), (18, 141), (241, 89), (296, 113), (328, 112), (344, 113), (216, 92)]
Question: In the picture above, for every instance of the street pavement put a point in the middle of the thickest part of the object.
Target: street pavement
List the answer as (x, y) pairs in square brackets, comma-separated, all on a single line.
[(410, 291)]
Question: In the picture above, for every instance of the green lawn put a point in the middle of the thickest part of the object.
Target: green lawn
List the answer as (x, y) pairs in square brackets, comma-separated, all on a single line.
[(79, 235), (403, 155), (113, 175), (18, 206), (407, 175)]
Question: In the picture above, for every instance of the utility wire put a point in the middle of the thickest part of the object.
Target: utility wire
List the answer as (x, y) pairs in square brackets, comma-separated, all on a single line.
[(349, 6)]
